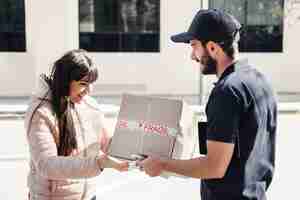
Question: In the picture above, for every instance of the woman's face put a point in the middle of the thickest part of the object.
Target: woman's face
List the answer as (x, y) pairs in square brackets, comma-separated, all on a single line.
[(78, 89)]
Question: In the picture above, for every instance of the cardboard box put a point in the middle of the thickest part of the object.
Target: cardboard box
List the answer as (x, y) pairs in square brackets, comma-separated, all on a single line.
[(153, 126)]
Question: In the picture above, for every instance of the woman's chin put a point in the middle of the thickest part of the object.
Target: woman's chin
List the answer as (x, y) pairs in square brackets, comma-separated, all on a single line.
[(77, 100)]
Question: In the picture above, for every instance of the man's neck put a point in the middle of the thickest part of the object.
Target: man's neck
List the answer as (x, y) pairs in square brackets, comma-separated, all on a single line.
[(223, 64)]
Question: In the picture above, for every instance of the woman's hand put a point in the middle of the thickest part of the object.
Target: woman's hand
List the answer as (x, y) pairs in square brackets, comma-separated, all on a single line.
[(104, 141), (105, 161), (122, 166)]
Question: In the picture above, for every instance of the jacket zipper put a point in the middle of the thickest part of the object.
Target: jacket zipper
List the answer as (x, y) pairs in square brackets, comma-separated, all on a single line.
[(84, 150)]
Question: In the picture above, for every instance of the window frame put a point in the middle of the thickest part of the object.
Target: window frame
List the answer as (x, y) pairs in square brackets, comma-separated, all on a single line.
[(124, 37), (246, 29), (14, 37)]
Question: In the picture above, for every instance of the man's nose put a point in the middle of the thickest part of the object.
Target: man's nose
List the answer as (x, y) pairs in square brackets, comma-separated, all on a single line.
[(193, 57)]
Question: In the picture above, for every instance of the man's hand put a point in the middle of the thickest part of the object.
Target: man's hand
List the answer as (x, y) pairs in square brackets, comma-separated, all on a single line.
[(152, 166)]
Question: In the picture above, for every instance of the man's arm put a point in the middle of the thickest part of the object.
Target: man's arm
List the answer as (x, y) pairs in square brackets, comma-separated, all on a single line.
[(213, 165), (223, 116)]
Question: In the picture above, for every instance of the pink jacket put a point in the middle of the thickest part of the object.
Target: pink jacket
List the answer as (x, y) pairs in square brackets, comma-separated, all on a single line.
[(55, 177)]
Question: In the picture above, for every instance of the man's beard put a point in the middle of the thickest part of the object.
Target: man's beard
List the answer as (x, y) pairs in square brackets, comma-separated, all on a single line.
[(209, 64)]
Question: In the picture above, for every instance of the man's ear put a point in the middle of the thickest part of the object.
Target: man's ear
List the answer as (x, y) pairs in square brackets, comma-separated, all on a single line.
[(212, 48)]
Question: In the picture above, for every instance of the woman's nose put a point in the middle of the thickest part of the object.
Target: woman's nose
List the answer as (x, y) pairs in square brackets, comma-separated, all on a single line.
[(85, 91), (90, 88)]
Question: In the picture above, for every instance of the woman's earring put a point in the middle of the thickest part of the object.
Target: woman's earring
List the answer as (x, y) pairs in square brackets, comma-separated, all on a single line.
[(67, 99)]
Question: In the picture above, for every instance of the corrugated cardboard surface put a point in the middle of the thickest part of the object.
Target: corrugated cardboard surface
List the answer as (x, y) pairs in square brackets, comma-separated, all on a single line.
[(153, 126)]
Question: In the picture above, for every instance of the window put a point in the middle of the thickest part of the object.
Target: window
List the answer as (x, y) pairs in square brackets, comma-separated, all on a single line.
[(12, 25), (262, 23), (119, 25)]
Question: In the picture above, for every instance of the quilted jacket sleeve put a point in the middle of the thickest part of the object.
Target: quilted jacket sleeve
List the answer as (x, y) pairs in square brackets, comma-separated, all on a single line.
[(43, 152)]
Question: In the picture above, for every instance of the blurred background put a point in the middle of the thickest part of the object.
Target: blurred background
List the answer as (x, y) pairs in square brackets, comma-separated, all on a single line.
[(129, 42)]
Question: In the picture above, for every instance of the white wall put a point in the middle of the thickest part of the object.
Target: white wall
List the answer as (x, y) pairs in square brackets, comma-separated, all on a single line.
[(283, 69), (17, 73), (52, 29), (169, 71)]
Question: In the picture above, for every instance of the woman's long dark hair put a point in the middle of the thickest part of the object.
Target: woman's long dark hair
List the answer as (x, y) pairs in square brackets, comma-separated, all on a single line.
[(74, 65)]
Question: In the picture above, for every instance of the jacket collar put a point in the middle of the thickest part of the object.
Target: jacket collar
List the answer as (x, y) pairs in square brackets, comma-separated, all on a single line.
[(233, 67), (43, 91)]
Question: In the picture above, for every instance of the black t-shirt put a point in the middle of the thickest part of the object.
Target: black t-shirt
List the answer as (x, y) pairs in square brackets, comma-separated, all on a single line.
[(242, 110)]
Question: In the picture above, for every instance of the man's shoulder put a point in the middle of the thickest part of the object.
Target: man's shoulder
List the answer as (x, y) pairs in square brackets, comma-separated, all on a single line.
[(230, 84), (243, 77)]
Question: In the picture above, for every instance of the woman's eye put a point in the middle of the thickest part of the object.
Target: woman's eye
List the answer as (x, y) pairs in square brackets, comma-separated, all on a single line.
[(84, 84)]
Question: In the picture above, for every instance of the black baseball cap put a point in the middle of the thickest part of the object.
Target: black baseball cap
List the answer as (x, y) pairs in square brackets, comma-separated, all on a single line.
[(210, 25)]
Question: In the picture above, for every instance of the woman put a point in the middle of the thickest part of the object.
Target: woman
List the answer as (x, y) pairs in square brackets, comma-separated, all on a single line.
[(65, 133)]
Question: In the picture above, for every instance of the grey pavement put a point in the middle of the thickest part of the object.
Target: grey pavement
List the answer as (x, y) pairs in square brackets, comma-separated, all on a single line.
[(134, 184)]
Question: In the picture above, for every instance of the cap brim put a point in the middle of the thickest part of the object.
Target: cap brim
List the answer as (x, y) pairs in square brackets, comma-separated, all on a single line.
[(182, 37)]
